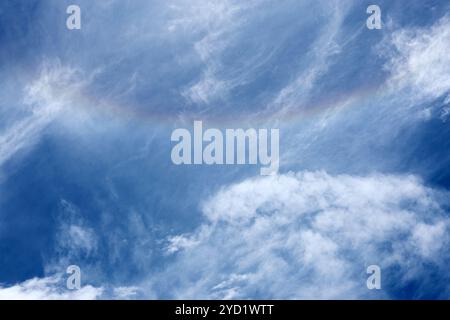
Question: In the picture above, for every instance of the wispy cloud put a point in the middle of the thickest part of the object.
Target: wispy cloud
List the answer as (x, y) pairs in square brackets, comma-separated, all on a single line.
[(216, 23), (75, 238), (44, 99), (318, 59)]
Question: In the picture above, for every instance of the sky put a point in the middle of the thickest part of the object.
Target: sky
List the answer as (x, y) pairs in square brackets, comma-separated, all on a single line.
[(87, 179)]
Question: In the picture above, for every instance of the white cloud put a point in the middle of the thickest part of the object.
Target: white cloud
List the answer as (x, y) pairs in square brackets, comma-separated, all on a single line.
[(178, 242), (48, 288), (225, 26), (216, 23), (75, 241), (125, 292), (419, 59), (428, 238), (319, 59), (74, 236), (45, 97), (309, 235)]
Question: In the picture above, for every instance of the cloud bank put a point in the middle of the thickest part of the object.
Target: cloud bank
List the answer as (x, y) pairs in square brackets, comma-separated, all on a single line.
[(311, 235), (48, 288)]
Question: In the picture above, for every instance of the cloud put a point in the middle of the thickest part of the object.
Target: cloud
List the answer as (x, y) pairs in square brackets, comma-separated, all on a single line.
[(310, 235), (74, 236), (45, 97), (296, 235), (53, 288), (319, 58), (125, 292), (75, 242), (251, 28), (413, 89), (419, 59), (216, 22), (48, 288), (178, 242)]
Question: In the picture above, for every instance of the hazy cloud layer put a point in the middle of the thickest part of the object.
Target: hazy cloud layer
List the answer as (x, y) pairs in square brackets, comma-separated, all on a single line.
[(86, 177)]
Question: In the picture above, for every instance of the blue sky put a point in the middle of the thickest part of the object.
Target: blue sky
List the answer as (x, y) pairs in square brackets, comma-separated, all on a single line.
[(86, 176)]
